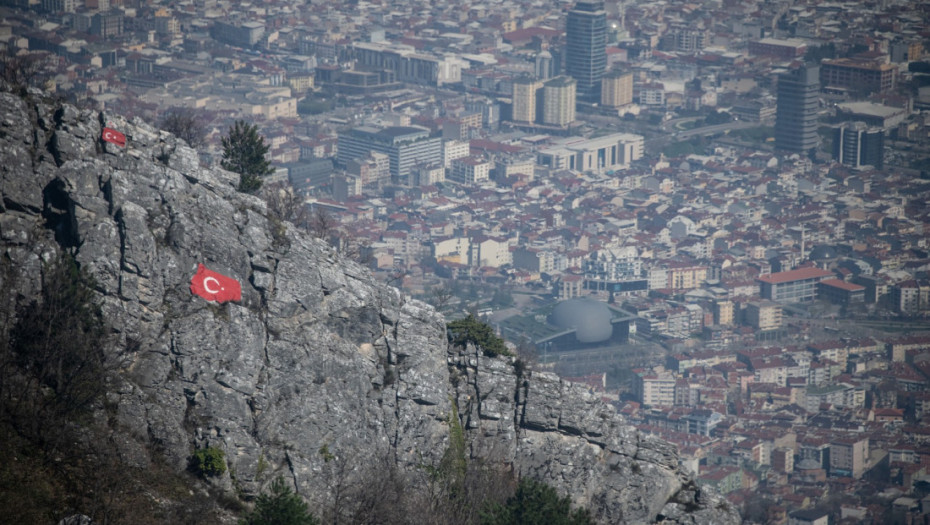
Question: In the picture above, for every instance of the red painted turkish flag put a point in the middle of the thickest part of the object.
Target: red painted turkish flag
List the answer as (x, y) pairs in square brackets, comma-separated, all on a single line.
[(214, 286), (111, 135)]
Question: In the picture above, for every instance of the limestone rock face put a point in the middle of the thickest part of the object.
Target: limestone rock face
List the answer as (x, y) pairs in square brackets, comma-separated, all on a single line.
[(317, 361)]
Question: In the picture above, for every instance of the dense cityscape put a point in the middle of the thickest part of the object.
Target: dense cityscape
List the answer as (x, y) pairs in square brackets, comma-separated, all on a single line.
[(712, 214)]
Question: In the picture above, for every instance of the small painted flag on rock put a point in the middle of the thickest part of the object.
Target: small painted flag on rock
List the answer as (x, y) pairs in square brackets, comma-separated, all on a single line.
[(214, 286), (115, 137)]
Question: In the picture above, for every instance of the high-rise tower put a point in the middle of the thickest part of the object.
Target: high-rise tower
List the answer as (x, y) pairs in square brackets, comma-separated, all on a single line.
[(524, 99), (559, 101), (586, 47), (796, 109)]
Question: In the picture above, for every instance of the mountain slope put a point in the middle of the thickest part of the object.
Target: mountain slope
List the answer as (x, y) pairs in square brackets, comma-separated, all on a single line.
[(318, 365)]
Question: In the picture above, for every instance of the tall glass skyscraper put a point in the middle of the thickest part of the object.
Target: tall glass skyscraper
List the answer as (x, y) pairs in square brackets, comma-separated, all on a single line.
[(796, 109), (586, 48)]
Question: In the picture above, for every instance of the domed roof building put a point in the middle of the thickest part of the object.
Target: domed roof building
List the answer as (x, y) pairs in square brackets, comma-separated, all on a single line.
[(586, 323), (588, 318), (823, 252)]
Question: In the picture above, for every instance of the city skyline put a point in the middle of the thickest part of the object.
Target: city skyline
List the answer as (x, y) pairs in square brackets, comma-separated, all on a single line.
[(733, 194)]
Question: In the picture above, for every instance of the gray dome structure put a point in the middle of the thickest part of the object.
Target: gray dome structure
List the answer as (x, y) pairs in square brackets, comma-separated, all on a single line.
[(808, 464), (590, 319), (823, 252)]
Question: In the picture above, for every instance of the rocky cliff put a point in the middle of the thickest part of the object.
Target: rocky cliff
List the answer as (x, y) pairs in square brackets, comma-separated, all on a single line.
[(317, 361)]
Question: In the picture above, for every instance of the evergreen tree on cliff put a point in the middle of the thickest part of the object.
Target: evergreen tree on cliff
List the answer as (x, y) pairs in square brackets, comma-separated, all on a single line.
[(244, 153), (280, 507), (535, 503)]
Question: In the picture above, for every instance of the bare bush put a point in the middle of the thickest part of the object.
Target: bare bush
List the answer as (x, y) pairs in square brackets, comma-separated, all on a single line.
[(20, 71), (185, 124), (284, 204), (57, 354)]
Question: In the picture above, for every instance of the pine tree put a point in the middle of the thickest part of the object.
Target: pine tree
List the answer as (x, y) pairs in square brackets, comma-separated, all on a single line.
[(471, 330), (244, 153), (534, 503), (280, 507)]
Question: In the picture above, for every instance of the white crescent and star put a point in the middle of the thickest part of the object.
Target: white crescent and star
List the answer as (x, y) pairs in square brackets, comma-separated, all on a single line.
[(207, 288), (107, 135)]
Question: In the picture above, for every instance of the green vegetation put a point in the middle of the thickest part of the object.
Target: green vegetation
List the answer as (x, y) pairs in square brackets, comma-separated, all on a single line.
[(262, 466), (314, 105), (601, 132), (817, 53), (534, 503), (447, 482), (327, 455), (502, 298), (471, 330), (531, 326), (760, 134), (466, 492), (717, 117), (454, 463), (279, 507), (209, 461), (696, 145), (244, 153)]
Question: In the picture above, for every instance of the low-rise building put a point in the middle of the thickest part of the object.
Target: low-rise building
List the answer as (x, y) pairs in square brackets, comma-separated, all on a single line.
[(787, 49), (610, 152), (469, 170), (809, 517), (841, 292), (794, 286), (857, 75)]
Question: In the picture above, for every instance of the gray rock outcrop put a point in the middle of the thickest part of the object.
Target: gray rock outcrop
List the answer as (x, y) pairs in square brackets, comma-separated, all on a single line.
[(317, 361)]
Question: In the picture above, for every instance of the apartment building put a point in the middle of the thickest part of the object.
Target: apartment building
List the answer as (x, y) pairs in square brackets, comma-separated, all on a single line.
[(763, 315), (469, 170), (559, 101), (523, 108), (857, 75), (617, 89), (654, 389), (849, 456)]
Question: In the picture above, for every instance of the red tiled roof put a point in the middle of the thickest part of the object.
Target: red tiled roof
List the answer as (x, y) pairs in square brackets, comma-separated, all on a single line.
[(490, 145), (794, 275), (527, 34), (842, 285)]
